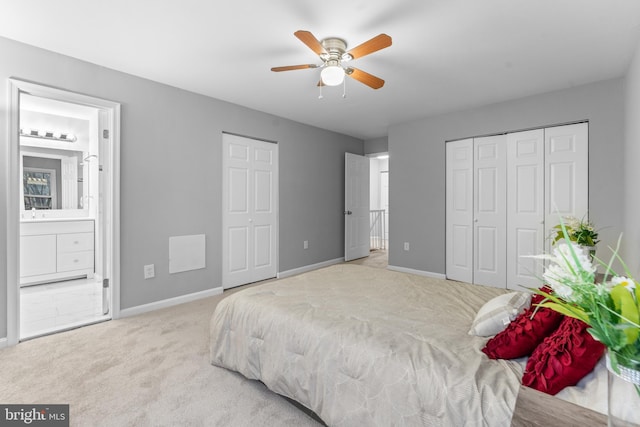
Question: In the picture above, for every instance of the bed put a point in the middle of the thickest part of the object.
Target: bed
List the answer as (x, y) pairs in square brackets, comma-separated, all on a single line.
[(361, 346)]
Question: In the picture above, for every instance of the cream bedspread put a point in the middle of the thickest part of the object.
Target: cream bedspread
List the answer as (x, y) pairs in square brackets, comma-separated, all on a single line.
[(368, 347)]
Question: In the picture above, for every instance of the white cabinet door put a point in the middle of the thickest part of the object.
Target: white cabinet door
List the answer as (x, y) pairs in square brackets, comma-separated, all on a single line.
[(525, 207), (249, 209), (490, 216), (37, 255), (566, 173), (459, 207), (356, 203)]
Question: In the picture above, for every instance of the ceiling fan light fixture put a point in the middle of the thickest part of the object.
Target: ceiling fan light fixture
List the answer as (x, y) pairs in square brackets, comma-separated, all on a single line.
[(332, 75)]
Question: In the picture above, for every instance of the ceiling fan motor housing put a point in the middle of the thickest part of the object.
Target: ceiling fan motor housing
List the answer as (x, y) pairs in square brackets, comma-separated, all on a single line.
[(335, 48)]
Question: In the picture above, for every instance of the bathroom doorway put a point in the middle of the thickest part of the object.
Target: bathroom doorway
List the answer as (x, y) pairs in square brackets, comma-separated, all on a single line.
[(65, 197)]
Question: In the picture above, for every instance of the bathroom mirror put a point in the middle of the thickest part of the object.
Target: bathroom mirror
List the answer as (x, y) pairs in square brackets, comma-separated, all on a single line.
[(53, 179)]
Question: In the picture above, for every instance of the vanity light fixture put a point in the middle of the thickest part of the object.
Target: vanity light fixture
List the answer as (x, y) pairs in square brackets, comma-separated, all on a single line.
[(59, 136)]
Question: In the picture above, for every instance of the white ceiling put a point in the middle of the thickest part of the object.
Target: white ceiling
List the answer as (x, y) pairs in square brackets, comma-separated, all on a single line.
[(446, 55)]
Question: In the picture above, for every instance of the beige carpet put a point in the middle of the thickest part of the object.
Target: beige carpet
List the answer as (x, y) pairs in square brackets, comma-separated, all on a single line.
[(148, 370), (377, 258)]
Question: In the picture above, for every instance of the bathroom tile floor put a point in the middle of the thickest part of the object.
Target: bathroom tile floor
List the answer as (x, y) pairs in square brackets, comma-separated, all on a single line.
[(53, 307)]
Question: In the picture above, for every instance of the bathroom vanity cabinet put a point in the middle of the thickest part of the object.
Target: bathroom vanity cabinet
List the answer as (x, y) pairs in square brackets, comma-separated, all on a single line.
[(56, 250)]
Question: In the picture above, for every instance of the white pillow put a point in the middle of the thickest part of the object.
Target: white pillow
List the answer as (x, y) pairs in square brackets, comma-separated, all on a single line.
[(494, 316)]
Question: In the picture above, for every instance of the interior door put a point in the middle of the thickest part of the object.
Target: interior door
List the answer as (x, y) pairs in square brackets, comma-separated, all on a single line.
[(459, 207), (567, 173), (249, 210), (525, 207), (490, 211), (356, 203)]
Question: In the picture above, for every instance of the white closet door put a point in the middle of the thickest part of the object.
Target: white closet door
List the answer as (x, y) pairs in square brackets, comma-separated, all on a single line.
[(249, 209), (356, 207), (567, 173), (490, 217), (459, 207), (525, 207)]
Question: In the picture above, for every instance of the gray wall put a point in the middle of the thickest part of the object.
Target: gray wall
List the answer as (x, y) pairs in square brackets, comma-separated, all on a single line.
[(417, 164), (376, 145), (171, 173), (631, 238)]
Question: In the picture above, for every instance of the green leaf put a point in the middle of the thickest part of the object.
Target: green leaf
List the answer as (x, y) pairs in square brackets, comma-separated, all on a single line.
[(625, 305), (570, 311), (597, 334)]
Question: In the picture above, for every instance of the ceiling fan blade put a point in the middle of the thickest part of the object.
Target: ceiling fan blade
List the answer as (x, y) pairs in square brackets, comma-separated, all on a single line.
[(378, 42), (311, 41), (294, 67), (366, 78)]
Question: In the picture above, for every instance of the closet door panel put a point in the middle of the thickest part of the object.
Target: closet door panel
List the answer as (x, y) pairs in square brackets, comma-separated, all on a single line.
[(525, 207), (567, 173), (459, 207), (490, 211)]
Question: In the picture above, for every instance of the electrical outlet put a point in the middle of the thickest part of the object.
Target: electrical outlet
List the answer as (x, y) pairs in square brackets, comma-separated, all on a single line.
[(305, 244), (149, 271), (406, 246)]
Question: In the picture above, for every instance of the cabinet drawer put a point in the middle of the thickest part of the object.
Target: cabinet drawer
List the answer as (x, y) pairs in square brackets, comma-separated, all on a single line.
[(75, 261), (75, 242)]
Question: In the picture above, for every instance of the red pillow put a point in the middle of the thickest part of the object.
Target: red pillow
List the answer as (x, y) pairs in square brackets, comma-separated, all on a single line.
[(563, 358), (524, 333)]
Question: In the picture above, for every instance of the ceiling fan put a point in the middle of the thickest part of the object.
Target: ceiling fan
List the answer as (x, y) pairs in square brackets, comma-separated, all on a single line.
[(333, 53)]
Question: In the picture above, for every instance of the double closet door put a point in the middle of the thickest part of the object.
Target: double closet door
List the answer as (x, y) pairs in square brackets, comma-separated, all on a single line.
[(249, 210), (504, 194)]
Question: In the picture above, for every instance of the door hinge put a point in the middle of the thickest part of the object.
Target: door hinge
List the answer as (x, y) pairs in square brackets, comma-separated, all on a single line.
[(105, 296), (105, 133)]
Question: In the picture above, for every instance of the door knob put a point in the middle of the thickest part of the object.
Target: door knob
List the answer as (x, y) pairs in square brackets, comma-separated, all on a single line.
[(348, 212)]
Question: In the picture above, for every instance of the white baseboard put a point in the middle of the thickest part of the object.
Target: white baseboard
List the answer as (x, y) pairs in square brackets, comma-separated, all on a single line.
[(306, 268), (417, 272), (133, 311), (3, 342)]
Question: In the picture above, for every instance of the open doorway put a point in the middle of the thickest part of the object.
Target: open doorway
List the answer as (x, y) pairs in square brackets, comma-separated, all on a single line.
[(379, 205), (64, 209)]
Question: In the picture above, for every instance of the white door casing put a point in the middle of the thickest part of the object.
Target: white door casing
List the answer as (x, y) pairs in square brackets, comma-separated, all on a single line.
[(384, 202), (356, 204), (109, 127), (566, 174), (459, 207), (490, 217), (525, 207), (249, 210)]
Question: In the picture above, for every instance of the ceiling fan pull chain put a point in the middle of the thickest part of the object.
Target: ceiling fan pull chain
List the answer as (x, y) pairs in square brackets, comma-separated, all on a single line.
[(320, 96), (344, 88)]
